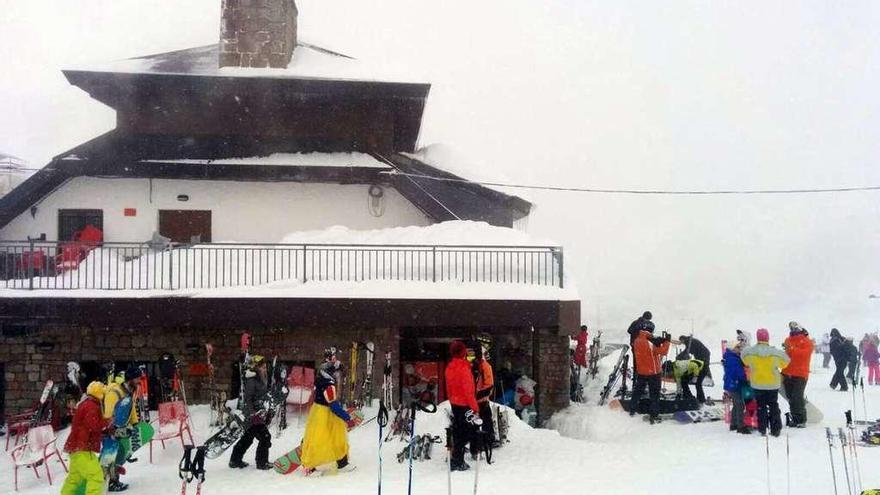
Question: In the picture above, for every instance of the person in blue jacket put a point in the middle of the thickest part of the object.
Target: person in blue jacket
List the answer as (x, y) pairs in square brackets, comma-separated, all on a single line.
[(735, 382)]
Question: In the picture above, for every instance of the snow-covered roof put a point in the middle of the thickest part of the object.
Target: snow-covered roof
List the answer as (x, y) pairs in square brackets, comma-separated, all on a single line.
[(362, 160), (452, 233), (309, 62)]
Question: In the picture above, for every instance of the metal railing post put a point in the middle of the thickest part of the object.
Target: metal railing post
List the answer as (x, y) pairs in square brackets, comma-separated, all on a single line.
[(560, 268), (31, 265), (433, 263), (304, 263)]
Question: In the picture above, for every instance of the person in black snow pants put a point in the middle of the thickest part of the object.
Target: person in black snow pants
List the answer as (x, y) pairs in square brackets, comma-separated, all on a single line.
[(255, 393), (840, 353), (642, 323), (693, 347)]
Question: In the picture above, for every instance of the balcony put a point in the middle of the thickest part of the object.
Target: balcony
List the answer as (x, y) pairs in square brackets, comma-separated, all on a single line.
[(115, 266)]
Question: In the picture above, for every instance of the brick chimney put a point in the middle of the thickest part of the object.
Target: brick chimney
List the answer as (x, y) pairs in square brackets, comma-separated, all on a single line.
[(257, 33)]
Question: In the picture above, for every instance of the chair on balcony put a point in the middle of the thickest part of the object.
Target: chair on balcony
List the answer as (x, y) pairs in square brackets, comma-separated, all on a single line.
[(173, 423), (40, 446), (17, 425)]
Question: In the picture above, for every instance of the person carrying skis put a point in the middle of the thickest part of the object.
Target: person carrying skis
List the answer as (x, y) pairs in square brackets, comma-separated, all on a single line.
[(840, 353), (254, 395), (83, 444), (648, 350), (799, 348), (325, 441), (461, 392), (735, 384), (642, 323), (120, 394), (693, 347), (765, 363)]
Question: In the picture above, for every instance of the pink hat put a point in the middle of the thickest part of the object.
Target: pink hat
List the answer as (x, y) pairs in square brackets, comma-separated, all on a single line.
[(763, 335)]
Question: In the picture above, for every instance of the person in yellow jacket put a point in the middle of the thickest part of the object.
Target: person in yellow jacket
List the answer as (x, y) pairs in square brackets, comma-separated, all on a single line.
[(766, 363), (114, 395)]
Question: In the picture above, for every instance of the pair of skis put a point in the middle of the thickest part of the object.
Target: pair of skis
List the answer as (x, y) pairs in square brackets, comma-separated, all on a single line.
[(360, 392), (618, 372)]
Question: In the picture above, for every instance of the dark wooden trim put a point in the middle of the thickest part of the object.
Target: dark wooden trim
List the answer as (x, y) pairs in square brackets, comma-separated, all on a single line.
[(231, 313)]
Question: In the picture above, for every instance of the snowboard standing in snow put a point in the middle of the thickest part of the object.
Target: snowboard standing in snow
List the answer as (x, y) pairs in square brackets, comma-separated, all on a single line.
[(814, 414)]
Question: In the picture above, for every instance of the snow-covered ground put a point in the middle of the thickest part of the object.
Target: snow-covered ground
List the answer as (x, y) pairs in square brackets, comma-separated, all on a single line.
[(599, 451)]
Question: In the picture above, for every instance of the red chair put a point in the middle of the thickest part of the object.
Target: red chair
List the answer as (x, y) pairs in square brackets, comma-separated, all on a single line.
[(17, 426), (40, 446), (173, 422)]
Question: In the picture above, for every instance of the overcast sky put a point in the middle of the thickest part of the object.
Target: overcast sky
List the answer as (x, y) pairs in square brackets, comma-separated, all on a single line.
[(616, 94)]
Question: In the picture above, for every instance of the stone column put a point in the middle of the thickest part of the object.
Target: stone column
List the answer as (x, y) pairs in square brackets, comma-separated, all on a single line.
[(550, 358)]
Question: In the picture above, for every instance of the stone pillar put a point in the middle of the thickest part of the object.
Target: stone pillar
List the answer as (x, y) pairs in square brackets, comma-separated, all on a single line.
[(551, 368), (257, 33)]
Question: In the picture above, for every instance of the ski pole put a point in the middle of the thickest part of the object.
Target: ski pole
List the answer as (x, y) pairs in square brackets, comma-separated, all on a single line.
[(477, 471), (831, 457), (854, 452), (842, 437), (767, 450), (412, 431), (449, 460), (787, 465), (382, 420), (864, 402)]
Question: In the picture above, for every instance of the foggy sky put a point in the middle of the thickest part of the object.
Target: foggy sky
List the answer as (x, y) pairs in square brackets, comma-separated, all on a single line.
[(641, 95)]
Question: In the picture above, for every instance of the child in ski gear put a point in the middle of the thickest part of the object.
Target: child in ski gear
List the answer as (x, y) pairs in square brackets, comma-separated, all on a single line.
[(83, 444), (461, 392), (118, 394), (254, 395), (693, 347), (648, 350), (799, 348), (765, 363), (325, 442), (642, 323), (734, 384), (871, 355), (840, 353)]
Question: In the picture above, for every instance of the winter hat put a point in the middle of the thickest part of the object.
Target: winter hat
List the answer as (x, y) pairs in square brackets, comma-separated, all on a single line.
[(835, 332), (132, 374), (763, 335), (96, 390), (458, 349), (647, 315)]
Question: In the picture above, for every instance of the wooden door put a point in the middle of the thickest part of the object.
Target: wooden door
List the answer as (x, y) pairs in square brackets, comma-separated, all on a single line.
[(184, 225)]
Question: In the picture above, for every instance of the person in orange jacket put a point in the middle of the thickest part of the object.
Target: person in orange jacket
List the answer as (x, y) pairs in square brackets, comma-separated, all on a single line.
[(799, 348), (647, 350), (461, 391)]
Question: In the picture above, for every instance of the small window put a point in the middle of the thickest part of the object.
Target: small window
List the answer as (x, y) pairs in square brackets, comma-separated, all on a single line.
[(72, 221)]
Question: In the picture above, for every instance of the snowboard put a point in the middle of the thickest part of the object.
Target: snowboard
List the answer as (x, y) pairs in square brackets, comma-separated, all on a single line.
[(111, 444), (814, 414), (703, 415), (290, 461), (225, 437)]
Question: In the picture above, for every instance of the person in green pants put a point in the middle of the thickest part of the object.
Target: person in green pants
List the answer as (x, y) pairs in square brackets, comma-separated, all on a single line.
[(84, 443)]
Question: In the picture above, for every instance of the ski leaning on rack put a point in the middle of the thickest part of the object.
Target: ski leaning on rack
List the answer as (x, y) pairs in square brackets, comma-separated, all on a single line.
[(367, 383), (595, 346), (617, 372), (387, 384)]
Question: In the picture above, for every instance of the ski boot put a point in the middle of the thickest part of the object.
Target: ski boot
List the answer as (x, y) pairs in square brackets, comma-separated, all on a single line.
[(238, 464), (116, 486)]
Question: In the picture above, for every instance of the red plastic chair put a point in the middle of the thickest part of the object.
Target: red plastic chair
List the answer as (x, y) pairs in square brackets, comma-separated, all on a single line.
[(173, 422), (17, 426), (39, 448)]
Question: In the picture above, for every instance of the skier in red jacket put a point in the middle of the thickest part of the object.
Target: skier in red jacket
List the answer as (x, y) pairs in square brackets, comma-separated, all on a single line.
[(83, 444), (462, 397)]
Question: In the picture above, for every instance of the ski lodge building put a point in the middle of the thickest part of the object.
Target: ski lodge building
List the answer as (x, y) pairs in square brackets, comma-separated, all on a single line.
[(268, 186)]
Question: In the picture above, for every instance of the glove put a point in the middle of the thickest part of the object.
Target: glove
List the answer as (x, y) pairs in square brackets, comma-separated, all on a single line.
[(354, 421), (473, 419)]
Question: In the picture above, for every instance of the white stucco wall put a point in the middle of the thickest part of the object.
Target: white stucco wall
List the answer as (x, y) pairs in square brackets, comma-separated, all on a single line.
[(241, 211)]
